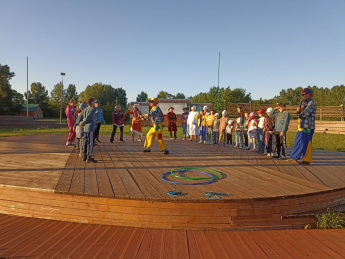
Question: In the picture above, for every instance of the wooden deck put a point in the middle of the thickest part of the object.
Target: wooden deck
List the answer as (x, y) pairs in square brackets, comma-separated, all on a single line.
[(39, 238), (42, 178)]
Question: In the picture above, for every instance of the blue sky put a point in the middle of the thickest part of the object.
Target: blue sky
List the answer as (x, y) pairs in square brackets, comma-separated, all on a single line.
[(173, 46)]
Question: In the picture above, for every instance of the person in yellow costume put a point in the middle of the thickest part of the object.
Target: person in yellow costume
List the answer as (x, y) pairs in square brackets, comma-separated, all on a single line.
[(157, 118)]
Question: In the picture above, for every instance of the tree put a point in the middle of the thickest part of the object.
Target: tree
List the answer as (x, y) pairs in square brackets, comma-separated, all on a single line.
[(142, 97), (7, 95), (38, 95), (104, 93), (55, 100), (164, 95), (179, 96), (238, 95), (71, 92)]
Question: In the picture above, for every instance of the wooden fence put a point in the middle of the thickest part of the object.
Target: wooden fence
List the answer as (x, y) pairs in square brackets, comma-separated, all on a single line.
[(322, 112)]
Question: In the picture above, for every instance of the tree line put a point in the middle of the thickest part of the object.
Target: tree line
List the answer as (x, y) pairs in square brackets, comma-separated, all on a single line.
[(11, 101)]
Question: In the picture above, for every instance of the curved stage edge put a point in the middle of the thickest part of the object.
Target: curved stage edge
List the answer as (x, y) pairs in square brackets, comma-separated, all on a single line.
[(245, 214)]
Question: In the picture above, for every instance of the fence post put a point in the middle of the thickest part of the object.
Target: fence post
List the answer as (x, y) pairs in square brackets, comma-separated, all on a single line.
[(250, 104), (342, 112), (320, 114)]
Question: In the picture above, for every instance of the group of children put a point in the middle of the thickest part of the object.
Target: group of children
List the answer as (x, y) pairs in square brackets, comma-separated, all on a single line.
[(263, 132), (88, 121)]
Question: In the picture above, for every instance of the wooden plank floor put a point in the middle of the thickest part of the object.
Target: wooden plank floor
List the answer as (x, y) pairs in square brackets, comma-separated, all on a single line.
[(123, 171), (39, 238)]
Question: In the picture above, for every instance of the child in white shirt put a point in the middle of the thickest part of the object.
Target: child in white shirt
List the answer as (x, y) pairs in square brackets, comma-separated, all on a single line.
[(252, 132), (229, 129)]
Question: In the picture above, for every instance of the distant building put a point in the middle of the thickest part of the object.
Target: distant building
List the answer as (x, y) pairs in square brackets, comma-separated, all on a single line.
[(35, 111)]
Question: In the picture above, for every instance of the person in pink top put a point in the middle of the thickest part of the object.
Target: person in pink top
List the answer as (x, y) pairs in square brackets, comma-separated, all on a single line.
[(70, 114)]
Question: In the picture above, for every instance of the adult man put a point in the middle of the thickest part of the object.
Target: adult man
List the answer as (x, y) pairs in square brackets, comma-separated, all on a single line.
[(157, 118), (306, 126)]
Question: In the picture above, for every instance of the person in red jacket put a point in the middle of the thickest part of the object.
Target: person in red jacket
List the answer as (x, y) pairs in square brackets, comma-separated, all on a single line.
[(172, 122), (118, 118), (70, 114)]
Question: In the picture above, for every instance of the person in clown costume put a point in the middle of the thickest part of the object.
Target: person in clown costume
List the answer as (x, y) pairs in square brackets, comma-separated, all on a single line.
[(157, 118), (306, 126), (136, 118)]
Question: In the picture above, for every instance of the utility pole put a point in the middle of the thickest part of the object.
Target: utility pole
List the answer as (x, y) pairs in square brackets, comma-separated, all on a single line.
[(218, 84), (27, 86)]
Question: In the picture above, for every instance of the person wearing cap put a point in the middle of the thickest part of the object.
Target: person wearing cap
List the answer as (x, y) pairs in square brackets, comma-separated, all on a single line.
[(157, 119), (282, 120), (306, 126), (201, 116), (100, 119), (261, 126), (222, 126), (172, 122), (193, 124), (118, 118), (209, 124), (270, 133), (215, 130), (184, 119), (206, 110), (135, 121)]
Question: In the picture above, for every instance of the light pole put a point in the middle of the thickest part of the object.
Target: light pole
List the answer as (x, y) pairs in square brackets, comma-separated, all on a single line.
[(62, 74)]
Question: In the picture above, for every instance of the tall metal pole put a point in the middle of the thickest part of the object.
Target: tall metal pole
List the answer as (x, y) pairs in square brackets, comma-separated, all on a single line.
[(218, 84), (27, 86), (62, 74)]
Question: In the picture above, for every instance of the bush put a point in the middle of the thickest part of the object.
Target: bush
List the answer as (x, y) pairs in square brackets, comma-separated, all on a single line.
[(330, 219)]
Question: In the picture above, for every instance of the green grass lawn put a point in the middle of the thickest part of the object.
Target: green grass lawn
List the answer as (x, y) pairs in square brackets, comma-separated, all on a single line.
[(334, 142)]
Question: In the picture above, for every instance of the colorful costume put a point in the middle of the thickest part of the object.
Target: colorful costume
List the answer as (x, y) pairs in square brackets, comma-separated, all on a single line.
[(157, 118), (202, 126), (172, 123), (70, 114), (306, 126), (136, 122)]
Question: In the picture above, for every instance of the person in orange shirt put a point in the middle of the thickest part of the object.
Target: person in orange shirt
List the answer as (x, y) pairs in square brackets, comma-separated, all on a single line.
[(135, 121)]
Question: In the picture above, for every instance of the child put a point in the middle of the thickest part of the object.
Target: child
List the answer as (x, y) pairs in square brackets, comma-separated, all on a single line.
[(157, 119), (282, 120), (222, 125), (252, 131), (239, 132), (172, 122), (118, 118), (79, 129), (229, 129), (246, 124), (193, 124), (270, 137), (70, 114), (89, 127), (135, 121), (260, 131), (100, 119), (184, 119), (202, 126), (215, 130), (209, 125)]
